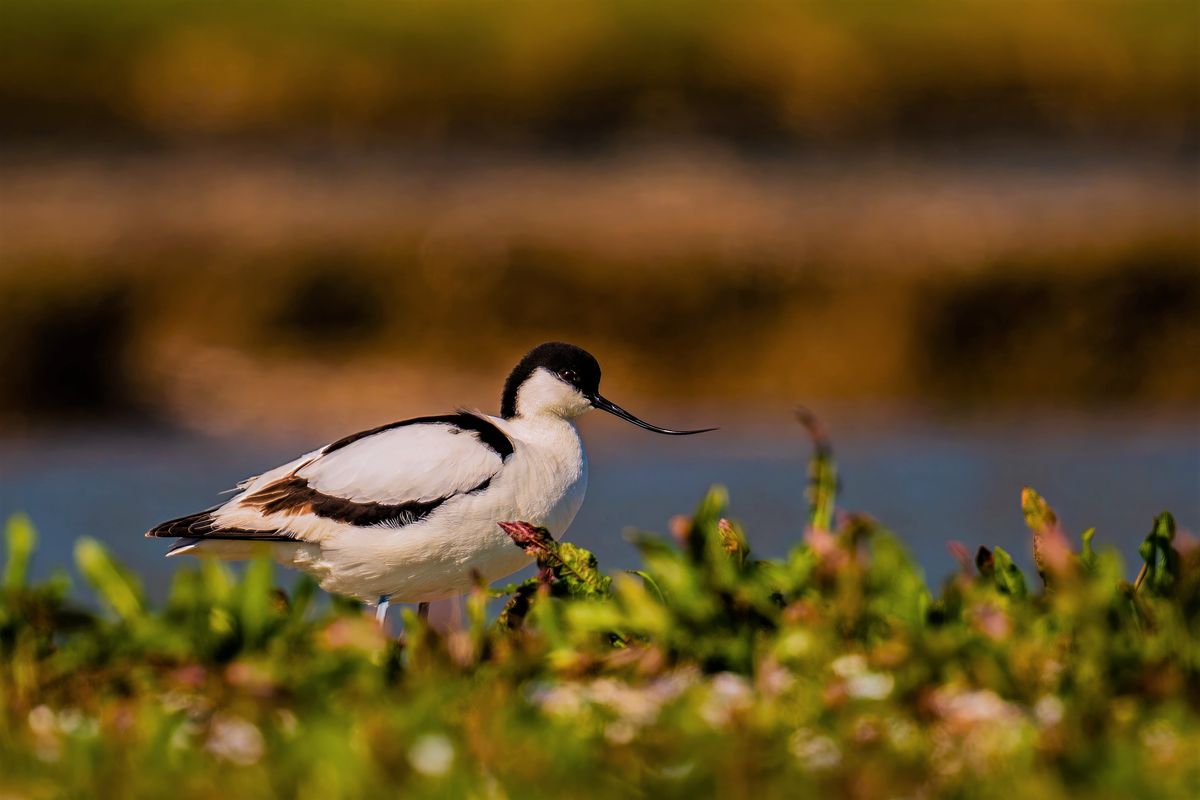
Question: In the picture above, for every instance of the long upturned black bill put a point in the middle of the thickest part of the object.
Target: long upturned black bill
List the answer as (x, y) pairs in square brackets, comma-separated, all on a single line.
[(614, 409)]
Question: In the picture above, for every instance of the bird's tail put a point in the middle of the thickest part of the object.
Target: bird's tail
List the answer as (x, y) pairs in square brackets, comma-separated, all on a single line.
[(192, 526)]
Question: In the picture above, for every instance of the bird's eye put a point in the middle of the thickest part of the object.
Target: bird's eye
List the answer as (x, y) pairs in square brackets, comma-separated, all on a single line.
[(568, 375)]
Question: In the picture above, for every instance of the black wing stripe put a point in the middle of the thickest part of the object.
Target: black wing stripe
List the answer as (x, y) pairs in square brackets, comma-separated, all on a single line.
[(199, 524), (204, 526), (293, 495), (485, 431)]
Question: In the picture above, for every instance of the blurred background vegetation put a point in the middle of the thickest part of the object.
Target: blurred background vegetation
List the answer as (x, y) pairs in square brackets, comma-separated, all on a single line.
[(208, 208)]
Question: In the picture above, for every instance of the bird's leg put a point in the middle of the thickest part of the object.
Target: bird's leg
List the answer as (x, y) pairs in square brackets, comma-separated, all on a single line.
[(423, 611), (381, 609)]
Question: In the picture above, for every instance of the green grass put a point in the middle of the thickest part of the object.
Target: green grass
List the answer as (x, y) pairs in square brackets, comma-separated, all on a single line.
[(706, 672)]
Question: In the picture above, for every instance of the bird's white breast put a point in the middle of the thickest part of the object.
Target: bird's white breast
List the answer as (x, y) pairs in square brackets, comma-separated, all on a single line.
[(547, 474)]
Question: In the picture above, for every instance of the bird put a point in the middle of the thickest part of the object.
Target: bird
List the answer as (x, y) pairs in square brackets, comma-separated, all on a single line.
[(411, 511)]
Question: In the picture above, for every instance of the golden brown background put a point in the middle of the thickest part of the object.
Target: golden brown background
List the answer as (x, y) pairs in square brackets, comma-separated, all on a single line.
[(303, 215)]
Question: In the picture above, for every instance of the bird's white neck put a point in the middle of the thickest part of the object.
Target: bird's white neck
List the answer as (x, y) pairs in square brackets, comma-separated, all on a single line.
[(549, 468), (543, 395)]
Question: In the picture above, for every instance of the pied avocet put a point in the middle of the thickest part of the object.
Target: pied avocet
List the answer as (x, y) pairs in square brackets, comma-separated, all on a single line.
[(410, 511)]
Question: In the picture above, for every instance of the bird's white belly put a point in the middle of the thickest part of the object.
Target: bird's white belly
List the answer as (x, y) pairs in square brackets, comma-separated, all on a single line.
[(459, 544)]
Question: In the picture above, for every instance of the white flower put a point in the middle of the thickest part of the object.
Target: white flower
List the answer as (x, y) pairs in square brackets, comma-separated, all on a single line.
[(639, 705), (727, 694), (870, 685), (978, 730), (42, 721), (432, 755), (620, 732), (849, 666), (671, 685), (861, 682), (973, 708), (70, 720), (1161, 741), (562, 701), (235, 740), (731, 688), (774, 679), (44, 725), (677, 772), (814, 751), (632, 704), (1048, 711)]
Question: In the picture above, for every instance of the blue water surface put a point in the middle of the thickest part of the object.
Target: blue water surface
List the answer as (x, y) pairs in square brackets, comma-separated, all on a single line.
[(930, 482)]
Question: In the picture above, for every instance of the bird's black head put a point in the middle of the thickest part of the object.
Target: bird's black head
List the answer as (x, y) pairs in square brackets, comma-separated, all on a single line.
[(570, 364), (563, 380)]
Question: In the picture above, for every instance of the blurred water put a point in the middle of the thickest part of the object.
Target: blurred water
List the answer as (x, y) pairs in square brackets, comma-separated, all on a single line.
[(929, 483)]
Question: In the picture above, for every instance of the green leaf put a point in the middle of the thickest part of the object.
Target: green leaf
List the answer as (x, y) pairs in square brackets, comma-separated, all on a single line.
[(644, 606), (218, 580), (712, 508), (115, 586), (476, 606), (303, 592), (21, 539), (58, 585), (1007, 575), (1160, 568), (897, 584), (1087, 555), (256, 598), (822, 474), (187, 592), (581, 571), (649, 582), (701, 538), (516, 608)]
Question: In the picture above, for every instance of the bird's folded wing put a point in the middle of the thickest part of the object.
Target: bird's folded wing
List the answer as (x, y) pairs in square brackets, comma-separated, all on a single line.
[(390, 477), (419, 462)]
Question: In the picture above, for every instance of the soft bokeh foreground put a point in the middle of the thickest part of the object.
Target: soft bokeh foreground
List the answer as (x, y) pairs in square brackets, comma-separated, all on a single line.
[(704, 673)]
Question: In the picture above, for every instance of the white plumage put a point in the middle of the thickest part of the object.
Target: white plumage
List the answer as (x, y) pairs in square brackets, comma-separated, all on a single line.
[(414, 462)]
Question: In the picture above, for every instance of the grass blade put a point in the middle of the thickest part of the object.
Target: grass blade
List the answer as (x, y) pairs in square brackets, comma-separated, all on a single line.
[(822, 474), (21, 539), (114, 586)]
